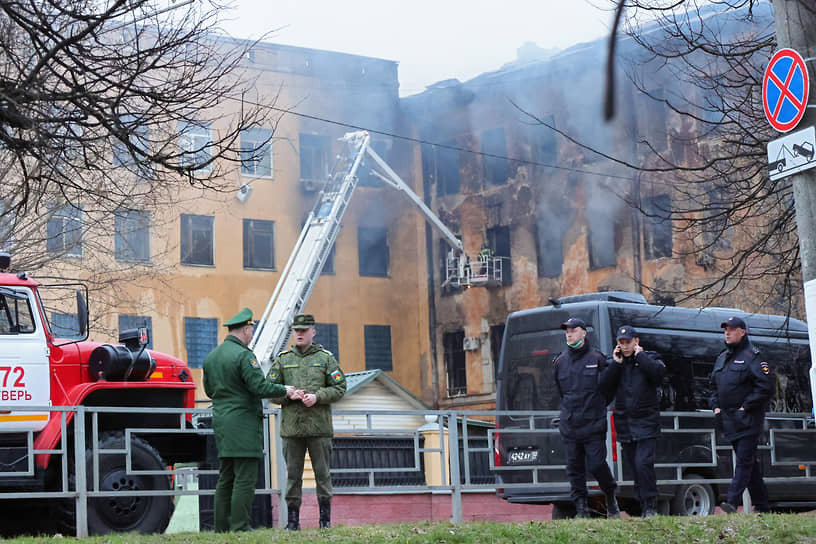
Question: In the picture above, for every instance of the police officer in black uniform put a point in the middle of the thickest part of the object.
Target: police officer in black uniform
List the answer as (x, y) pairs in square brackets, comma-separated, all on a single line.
[(638, 375), (584, 381), (741, 385)]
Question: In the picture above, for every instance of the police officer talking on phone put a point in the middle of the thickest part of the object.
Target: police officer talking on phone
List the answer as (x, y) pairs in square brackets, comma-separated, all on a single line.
[(741, 385), (584, 383), (638, 375)]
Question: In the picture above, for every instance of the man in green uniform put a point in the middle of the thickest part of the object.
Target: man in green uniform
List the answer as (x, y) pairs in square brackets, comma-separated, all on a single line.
[(306, 423), (233, 379)]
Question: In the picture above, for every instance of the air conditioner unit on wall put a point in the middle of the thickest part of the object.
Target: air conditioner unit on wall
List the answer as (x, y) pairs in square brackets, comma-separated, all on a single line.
[(471, 343), (243, 192)]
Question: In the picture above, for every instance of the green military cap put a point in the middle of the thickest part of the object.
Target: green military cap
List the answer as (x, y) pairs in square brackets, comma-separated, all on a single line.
[(303, 321), (244, 317)]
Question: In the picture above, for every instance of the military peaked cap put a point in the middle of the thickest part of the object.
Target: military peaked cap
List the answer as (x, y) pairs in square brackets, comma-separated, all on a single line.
[(244, 317), (303, 321)]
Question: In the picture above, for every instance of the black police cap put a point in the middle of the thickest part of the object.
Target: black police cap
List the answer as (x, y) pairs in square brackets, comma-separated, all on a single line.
[(573, 322)]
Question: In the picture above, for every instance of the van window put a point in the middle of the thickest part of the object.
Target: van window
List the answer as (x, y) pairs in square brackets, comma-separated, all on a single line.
[(528, 382)]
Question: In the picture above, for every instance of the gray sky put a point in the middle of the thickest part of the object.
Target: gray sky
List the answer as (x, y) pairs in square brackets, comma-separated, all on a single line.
[(431, 39)]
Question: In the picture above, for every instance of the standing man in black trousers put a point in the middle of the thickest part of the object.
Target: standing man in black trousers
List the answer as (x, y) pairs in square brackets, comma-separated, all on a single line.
[(637, 413), (584, 381), (741, 386)]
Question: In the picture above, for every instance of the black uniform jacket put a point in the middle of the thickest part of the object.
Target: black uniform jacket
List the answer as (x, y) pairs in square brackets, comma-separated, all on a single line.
[(637, 408), (741, 379), (584, 384)]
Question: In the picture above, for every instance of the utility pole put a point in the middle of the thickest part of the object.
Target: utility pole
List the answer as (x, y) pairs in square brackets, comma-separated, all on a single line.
[(795, 22)]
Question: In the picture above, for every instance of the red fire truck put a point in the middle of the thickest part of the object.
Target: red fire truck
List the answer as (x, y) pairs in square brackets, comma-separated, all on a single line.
[(40, 371)]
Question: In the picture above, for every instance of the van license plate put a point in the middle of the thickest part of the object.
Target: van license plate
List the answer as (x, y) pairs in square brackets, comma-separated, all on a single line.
[(524, 456)]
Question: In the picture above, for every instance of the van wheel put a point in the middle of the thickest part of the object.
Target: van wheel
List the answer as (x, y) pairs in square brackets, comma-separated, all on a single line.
[(693, 499), (563, 510)]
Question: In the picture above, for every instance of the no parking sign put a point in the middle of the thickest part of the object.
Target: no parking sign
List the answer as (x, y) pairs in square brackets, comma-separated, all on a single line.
[(785, 90)]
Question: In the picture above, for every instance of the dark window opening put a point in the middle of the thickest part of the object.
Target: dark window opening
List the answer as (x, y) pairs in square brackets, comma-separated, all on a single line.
[(378, 347), (326, 336), (657, 227), (498, 239), (132, 236), (259, 244), (496, 338), (372, 251), (545, 145), (601, 227), (440, 165), (549, 249), (366, 178), (314, 157), (197, 239), (494, 147), (455, 365), (200, 338), (127, 322), (657, 118)]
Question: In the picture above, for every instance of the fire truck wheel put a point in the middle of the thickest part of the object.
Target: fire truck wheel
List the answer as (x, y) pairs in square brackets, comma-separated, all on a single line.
[(143, 514), (693, 498)]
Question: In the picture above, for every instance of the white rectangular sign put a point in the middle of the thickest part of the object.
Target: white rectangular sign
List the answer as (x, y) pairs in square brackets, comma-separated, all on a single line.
[(792, 153)]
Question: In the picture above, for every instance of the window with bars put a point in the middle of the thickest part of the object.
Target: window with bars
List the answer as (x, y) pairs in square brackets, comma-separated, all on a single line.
[(326, 336), (127, 322), (372, 246), (195, 145), (256, 152), (455, 366), (197, 239), (378, 347), (132, 235), (259, 244), (64, 231), (200, 338)]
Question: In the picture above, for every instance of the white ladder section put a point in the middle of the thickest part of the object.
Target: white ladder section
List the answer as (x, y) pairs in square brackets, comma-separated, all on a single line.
[(310, 252)]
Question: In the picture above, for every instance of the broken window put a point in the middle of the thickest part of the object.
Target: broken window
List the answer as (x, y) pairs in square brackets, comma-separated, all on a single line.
[(366, 178), (326, 336), (314, 157), (455, 366), (132, 235), (657, 227), (440, 165), (549, 249), (197, 239), (372, 250), (498, 239), (259, 244), (496, 338), (378, 347), (64, 230), (600, 215), (544, 143), (494, 148)]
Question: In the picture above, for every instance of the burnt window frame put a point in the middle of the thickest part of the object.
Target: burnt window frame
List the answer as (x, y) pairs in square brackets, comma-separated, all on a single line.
[(455, 359), (378, 243), (314, 150), (495, 168), (658, 232)]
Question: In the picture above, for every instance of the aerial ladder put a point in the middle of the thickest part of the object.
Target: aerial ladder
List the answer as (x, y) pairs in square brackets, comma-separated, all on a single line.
[(314, 244)]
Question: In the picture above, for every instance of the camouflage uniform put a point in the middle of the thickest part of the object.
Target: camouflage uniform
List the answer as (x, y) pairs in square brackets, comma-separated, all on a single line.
[(233, 379), (315, 371)]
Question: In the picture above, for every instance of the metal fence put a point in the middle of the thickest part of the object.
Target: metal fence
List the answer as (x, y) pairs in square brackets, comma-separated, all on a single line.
[(451, 453)]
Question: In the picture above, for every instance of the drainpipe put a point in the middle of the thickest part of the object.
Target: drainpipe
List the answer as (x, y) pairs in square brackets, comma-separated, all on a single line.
[(429, 252), (636, 235)]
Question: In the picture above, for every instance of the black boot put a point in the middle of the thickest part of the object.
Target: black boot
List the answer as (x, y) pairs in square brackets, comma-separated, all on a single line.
[(325, 513), (612, 510), (294, 518), (581, 510), (649, 508)]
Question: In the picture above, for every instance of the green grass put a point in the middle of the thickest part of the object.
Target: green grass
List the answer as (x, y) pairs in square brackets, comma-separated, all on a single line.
[(720, 529)]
